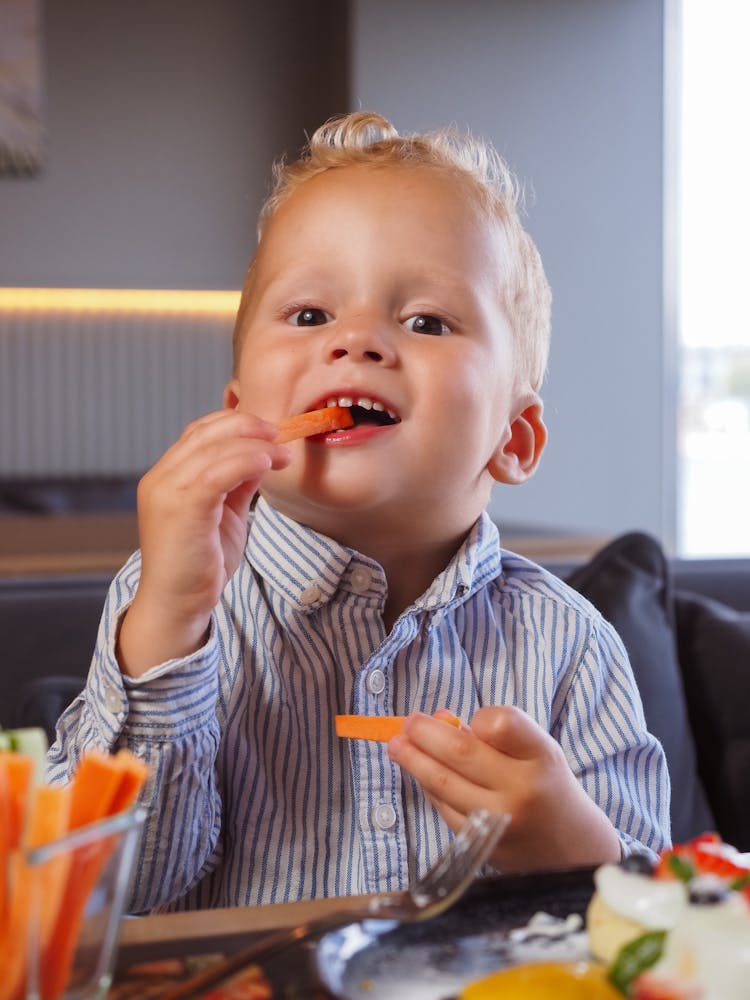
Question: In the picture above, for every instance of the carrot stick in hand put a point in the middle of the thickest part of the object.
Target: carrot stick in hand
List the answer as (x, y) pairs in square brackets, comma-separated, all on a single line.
[(380, 727), (330, 418)]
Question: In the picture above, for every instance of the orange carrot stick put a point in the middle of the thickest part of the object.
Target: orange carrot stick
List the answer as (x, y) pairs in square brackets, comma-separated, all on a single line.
[(16, 774), (330, 418), (36, 891), (19, 770), (4, 849), (133, 774), (93, 788), (381, 727)]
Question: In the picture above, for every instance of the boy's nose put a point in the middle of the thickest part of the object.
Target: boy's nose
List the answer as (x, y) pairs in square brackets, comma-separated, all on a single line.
[(361, 341)]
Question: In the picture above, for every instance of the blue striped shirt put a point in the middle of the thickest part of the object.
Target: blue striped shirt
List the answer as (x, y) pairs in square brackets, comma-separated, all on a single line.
[(253, 799)]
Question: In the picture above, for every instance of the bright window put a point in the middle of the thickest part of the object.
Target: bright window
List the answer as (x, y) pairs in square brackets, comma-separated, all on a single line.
[(714, 251)]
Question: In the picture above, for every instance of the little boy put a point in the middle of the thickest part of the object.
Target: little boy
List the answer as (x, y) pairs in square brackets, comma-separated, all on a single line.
[(392, 276)]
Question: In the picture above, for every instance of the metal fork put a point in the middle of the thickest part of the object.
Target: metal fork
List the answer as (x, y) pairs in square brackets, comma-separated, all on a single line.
[(428, 897)]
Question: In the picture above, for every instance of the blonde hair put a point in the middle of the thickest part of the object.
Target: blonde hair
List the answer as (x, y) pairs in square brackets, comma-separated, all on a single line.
[(368, 138)]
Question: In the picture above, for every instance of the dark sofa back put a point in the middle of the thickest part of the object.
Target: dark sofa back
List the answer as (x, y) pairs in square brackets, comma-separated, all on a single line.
[(686, 627), (48, 628)]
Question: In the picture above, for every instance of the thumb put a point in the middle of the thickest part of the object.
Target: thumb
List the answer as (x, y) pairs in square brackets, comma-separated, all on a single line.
[(238, 500)]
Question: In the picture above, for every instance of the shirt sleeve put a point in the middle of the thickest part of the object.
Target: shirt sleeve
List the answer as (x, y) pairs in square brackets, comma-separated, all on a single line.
[(598, 720), (168, 718)]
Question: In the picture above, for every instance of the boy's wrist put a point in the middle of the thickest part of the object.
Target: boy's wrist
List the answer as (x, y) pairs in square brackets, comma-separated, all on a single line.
[(147, 637)]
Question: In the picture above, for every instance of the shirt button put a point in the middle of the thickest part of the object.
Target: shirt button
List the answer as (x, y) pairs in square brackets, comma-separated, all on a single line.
[(310, 594), (361, 579), (375, 682), (384, 816), (112, 699)]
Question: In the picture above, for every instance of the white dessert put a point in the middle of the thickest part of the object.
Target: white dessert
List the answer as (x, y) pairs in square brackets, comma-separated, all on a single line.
[(627, 904), (709, 947), (706, 917)]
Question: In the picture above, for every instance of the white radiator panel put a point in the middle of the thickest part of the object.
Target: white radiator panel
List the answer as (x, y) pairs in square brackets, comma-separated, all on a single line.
[(102, 392)]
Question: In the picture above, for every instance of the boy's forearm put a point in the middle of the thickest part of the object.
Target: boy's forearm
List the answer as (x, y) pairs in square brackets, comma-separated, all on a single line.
[(147, 637), (185, 858)]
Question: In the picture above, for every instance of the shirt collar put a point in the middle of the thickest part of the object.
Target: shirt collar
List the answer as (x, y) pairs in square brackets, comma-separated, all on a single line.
[(476, 562), (307, 568)]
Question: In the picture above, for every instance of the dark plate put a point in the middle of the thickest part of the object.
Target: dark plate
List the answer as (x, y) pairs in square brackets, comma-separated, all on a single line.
[(378, 959)]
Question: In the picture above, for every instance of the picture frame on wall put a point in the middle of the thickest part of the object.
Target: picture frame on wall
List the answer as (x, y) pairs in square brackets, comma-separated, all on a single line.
[(21, 127)]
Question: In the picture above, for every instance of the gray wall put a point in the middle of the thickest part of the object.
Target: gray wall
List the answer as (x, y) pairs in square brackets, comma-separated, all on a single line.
[(571, 93), (164, 115)]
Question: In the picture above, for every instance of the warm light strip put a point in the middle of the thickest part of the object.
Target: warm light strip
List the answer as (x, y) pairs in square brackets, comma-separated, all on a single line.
[(117, 300)]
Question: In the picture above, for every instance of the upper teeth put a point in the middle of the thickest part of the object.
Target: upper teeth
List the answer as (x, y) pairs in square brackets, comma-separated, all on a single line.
[(364, 401)]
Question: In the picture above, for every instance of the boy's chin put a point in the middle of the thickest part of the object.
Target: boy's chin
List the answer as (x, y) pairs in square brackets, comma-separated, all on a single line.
[(315, 506), (357, 517)]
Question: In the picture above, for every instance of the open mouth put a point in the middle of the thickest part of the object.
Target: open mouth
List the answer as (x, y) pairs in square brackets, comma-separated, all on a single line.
[(365, 410)]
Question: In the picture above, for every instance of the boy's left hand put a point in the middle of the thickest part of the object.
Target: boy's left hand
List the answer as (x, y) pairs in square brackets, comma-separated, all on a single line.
[(506, 763)]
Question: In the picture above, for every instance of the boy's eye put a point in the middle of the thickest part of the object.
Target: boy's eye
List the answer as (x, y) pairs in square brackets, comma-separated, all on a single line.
[(310, 316), (427, 324)]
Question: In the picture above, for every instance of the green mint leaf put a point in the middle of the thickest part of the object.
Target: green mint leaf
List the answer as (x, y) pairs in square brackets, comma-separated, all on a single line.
[(635, 957), (680, 867)]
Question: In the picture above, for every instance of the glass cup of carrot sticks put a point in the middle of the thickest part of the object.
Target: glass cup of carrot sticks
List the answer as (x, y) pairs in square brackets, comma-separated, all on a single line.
[(76, 962), (66, 859)]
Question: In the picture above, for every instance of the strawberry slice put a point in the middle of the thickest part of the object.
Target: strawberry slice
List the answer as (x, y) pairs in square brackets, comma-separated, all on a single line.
[(653, 986), (704, 855)]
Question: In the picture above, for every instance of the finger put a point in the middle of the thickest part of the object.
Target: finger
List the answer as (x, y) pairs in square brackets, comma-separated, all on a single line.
[(452, 817), (206, 476), (509, 730), (211, 429), (459, 749), (217, 472), (460, 786), (258, 426), (238, 500)]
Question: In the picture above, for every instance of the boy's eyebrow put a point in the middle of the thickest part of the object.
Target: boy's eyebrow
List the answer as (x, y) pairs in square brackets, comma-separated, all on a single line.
[(291, 278), (449, 279)]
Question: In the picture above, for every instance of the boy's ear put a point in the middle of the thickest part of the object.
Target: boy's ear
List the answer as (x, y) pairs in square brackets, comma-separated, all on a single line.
[(517, 455), (232, 394)]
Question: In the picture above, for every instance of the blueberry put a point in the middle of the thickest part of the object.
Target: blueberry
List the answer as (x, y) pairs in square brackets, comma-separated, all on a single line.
[(707, 890), (638, 864)]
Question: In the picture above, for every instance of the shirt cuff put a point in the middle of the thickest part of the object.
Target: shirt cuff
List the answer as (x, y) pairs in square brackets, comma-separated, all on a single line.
[(170, 701)]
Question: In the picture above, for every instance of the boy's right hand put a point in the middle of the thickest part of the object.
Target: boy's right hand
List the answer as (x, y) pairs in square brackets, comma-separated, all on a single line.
[(192, 522)]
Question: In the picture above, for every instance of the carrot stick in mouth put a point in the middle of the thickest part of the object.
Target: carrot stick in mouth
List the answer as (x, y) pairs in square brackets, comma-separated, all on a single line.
[(330, 418), (380, 727)]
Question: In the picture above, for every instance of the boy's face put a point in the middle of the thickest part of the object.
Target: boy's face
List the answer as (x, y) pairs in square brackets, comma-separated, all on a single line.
[(384, 285)]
